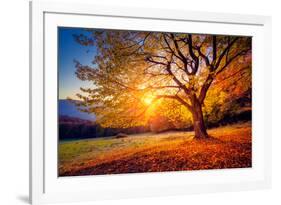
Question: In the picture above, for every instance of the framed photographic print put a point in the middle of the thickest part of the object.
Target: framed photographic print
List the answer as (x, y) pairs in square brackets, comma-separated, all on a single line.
[(129, 102)]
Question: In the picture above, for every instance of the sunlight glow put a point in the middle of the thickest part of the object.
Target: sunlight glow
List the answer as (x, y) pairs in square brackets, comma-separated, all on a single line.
[(148, 100)]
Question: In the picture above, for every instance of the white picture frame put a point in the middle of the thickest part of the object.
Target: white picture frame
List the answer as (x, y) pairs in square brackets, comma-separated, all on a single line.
[(46, 187)]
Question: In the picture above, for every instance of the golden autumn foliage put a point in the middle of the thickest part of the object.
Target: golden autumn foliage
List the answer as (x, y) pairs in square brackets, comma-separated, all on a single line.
[(192, 75)]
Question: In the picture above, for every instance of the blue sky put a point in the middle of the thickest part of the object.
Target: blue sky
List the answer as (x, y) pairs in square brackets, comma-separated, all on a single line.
[(69, 50)]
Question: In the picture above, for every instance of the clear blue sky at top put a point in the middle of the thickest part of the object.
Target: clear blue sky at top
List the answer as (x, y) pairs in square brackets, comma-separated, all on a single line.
[(68, 51)]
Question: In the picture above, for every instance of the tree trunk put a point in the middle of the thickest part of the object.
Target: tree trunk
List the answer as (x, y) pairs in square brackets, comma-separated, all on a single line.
[(198, 120)]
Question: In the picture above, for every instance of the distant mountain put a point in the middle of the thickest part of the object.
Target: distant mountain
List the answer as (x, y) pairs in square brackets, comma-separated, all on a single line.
[(65, 119), (66, 108)]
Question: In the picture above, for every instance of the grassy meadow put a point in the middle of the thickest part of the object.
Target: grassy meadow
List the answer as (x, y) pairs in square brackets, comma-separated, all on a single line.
[(229, 147)]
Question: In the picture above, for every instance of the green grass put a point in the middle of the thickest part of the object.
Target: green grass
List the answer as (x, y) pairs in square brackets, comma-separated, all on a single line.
[(91, 148)]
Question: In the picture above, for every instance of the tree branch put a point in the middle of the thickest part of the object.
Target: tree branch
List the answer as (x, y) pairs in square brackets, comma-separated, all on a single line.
[(192, 54), (214, 49), (183, 58), (170, 48), (186, 90), (175, 97), (142, 41), (205, 58), (211, 75), (243, 52), (150, 59), (228, 47), (164, 86), (205, 87)]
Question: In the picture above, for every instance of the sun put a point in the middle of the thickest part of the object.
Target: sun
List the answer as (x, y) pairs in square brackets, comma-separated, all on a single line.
[(148, 100)]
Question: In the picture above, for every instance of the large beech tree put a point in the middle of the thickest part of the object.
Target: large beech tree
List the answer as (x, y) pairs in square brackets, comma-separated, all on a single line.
[(136, 72)]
